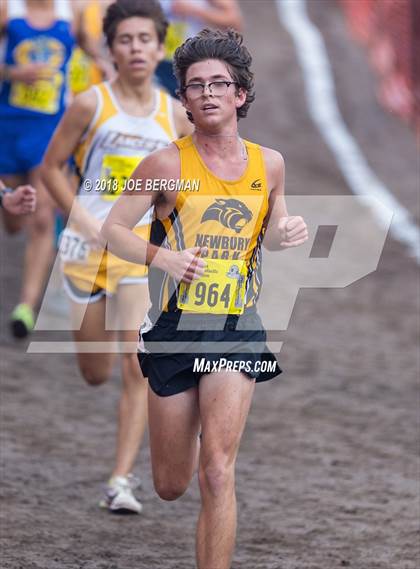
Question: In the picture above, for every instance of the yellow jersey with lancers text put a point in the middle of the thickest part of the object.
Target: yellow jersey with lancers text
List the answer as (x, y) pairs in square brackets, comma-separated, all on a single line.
[(112, 147), (115, 143), (226, 217)]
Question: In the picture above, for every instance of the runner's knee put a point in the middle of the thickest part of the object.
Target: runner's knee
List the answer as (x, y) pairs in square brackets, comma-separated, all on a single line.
[(42, 220), (169, 489), (94, 375), (132, 370), (12, 223), (216, 476)]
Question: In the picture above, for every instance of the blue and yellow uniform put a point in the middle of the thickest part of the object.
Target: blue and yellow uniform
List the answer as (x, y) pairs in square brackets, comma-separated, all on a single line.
[(227, 217), (29, 113)]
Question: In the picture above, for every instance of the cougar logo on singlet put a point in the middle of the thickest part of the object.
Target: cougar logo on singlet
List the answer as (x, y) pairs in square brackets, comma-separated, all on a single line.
[(230, 212)]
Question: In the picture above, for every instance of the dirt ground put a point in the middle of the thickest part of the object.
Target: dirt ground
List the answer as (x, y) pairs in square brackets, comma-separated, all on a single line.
[(328, 473)]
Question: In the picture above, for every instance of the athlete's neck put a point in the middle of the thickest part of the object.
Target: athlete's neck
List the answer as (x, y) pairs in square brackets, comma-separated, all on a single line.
[(223, 144), (136, 98), (40, 14), (39, 4)]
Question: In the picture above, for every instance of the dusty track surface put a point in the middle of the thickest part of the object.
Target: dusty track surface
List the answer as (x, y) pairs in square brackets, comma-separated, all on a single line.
[(328, 470)]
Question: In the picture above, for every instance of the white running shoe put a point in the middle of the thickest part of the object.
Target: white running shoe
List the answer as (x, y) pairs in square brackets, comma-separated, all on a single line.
[(119, 497)]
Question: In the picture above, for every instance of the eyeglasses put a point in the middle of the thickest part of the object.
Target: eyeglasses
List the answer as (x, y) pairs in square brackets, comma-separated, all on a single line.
[(216, 88)]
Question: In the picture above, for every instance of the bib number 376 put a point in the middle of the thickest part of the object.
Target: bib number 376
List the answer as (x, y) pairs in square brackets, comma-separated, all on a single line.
[(73, 247)]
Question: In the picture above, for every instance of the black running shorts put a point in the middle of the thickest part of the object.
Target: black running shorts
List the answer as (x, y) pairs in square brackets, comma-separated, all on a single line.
[(175, 352)]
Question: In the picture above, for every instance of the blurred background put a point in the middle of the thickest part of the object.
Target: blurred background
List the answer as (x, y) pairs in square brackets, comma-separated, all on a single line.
[(328, 471), (389, 32)]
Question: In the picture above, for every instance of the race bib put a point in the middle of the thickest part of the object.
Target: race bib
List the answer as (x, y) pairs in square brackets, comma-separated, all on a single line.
[(73, 247), (221, 289), (115, 172), (42, 96)]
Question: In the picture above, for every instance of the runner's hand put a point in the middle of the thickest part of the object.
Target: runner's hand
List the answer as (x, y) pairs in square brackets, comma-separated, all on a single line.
[(293, 231), (185, 266), (91, 230), (106, 68), (31, 72), (20, 202)]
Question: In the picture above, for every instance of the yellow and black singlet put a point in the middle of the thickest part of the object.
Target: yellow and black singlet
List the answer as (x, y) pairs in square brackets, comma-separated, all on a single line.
[(227, 218)]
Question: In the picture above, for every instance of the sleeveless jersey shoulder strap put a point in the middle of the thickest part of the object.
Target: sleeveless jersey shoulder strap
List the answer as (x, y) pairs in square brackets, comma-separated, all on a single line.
[(254, 150), (250, 144), (16, 9), (165, 114), (63, 10), (108, 107), (105, 109), (184, 142), (257, 157)]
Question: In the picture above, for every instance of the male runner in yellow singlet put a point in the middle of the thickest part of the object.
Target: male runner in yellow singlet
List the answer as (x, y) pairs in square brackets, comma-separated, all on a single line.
[(204, 260), (110, 129)]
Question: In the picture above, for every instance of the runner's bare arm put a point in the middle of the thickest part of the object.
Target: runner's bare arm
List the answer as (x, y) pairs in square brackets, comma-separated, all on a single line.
[(219, 14), (62, 145), (3, 21), (132, 205), (3, 17), (92, 47), (282, 231), (83, 38), (183, 125)]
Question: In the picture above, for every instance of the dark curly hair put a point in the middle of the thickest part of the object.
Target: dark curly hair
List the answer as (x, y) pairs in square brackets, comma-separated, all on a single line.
[(123, 9), (227, 46)]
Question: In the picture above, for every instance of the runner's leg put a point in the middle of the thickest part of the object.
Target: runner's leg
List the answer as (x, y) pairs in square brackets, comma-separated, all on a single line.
[(224, 399), (99, 325), (95, 368), (39, 245), (132, 305), (174, 425)]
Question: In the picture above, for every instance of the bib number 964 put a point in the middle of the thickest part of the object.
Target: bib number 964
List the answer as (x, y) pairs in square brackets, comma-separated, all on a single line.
[(211, 295), (221, 289)]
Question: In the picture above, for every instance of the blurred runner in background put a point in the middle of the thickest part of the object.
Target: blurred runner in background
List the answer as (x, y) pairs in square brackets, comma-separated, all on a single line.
[(39, 38), (84, 72), (109, 129), (187, 18)]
